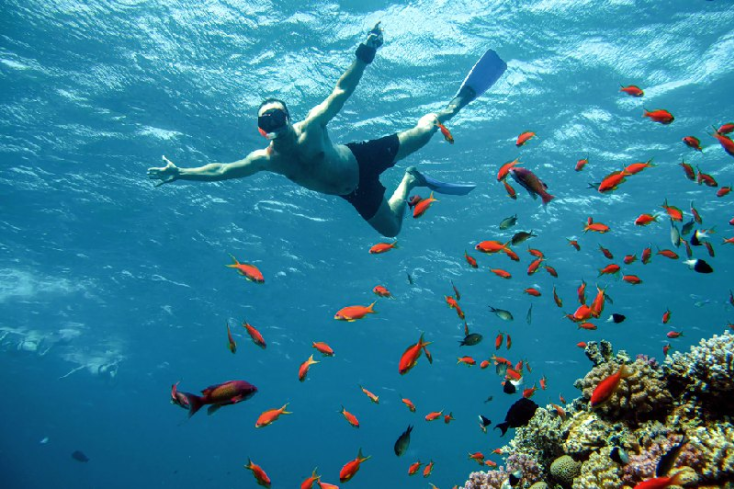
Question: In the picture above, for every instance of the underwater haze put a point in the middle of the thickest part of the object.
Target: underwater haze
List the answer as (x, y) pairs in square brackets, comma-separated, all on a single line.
[(112, 290)]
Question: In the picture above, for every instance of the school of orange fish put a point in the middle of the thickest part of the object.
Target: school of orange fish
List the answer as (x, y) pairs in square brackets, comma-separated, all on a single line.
[(511, 373)]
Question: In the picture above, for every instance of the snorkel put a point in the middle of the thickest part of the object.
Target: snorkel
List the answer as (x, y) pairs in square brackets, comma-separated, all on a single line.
[(272, 122)]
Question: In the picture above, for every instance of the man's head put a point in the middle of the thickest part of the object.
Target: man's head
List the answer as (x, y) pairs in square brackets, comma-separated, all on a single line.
[(272, 118)]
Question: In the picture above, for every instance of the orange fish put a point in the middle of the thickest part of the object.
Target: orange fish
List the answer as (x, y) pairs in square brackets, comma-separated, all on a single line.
[(725, 128), (505, 169), (303, 369), (428, 469), (543, 382), (628, 259), (508, 343), (536, 253), (413, 469), (446, 133), (490, 463), (581, 344), (705, 178), (409, 403), (511, 193), (326, 485), (500, 273), (490, 247), (524, 138), (532, 291), (534, 266), (692, 142), (636, 168), (257, 338), (448, 418), (587, 326), (610, 269), (513, 375), (632, 279), (606, 252), (557, 299), (484, 364), (646, 256), (411, 355), (725, 143), (723, 191), (470, 260), (666, 316), (309, 482), (662, 116), (383, 247), (559, 410), (499, 340), (595, 226), (323, 348), (574, 243), (351, 419), (608, 386), (230, 341), (688, 169), (696, 215), (270, 416), (381, 291), (247, 270), (260, 476), (528, 393), (674, 213), (552, 271), (513, 256), (352, 467), (581, 292), (645, 219), (467, 361), (668, 254), (583, 313), (422, 206), (434, 415), (611, 182), (726, 241), (632, 90), (597, 306), (580, 164), (352, 313), (372, 397), (456, 291), (662, 482), (179, 398), (454, 305), (674, 334), (477, 457)]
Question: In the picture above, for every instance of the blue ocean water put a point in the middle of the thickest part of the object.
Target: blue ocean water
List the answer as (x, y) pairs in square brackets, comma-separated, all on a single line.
[(112, 290)]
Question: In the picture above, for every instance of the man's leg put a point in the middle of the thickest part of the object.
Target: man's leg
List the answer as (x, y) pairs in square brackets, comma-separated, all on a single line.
[(389, 217), (418, 136)]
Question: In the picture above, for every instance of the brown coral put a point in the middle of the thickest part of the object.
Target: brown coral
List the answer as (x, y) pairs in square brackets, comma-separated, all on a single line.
[(565, 469), (644, 395), (540, 439), (586, 433), (716, 441)]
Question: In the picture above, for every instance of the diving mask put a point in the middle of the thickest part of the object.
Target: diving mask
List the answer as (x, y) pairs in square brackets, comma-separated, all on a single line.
[(271, 122)]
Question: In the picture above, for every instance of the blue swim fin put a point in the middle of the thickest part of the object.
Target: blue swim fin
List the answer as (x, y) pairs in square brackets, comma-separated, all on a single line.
[(441, 187), (482, 76)]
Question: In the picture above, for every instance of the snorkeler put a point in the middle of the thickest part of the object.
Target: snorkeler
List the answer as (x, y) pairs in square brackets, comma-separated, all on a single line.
[(304, 153)]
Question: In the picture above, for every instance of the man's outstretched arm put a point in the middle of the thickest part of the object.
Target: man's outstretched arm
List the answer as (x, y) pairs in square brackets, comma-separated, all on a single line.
[(213, 172), (348, 82)]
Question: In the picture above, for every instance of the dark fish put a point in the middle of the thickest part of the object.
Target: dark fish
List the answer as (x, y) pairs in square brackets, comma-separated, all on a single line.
[(471, 339), (508, 222), (489, 399), (410, 279), (403, 442), (502, 314), (617, 318), (80, 457), (531, 183), (619, 455), (521, 237), (668, 460), (518, 415), (688, 227), (674, 234), (529, 317), (515, 478), (508, 388), (609, 299), (699, 265), (484, 421)]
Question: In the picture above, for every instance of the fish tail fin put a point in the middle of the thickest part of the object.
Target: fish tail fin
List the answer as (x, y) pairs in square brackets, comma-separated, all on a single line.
[(502, 426), (371, 308), (361, 457), (285, 406), (677, 478), (233, 259), (195, 403), (546, 198)]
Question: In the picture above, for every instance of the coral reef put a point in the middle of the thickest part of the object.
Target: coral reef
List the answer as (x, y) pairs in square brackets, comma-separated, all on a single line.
[(599, 472), (642, 396), (620, 443)]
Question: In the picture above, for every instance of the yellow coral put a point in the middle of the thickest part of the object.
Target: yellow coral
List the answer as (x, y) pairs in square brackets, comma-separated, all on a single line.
[(599, 472), (564, 469), (716, 442)]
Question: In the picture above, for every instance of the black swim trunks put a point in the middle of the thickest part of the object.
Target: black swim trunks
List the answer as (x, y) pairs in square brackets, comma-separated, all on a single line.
[(373, 158)]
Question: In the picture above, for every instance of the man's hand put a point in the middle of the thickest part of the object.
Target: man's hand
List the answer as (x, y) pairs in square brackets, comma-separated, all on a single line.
[(374, 38), (165, 174)]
